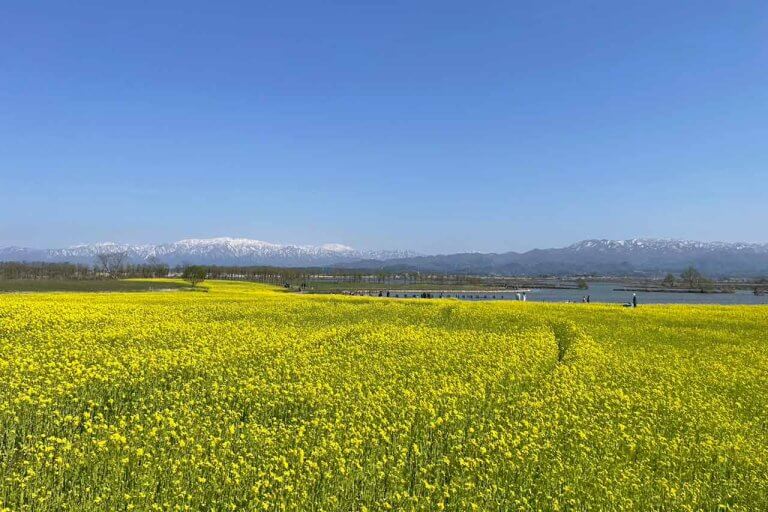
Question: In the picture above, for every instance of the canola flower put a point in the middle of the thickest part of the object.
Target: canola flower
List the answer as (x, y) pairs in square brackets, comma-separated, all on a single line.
[(248, 398)]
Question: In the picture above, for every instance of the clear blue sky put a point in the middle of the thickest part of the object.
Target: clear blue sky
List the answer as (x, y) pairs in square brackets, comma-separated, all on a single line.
[(436, 126)]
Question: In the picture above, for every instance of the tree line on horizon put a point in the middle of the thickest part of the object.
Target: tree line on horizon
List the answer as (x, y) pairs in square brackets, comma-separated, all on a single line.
[(115, 265)]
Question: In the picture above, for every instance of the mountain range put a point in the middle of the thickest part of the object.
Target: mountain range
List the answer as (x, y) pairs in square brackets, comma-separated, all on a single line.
[(637, 256), (208, 251), (643, 256)]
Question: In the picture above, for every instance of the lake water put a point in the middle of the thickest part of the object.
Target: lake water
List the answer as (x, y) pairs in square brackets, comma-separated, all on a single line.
[(604, 292)]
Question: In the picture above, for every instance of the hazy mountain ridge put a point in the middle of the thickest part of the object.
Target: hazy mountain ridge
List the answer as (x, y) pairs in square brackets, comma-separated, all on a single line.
[(648, 256), (221, 251), (605, 257), (663, 244)]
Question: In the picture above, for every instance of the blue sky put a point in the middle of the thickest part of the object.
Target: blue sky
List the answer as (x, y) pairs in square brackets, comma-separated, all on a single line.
[(433, 126)]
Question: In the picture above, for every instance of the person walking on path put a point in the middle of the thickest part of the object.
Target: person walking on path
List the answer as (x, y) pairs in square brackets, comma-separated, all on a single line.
[(634, 300)]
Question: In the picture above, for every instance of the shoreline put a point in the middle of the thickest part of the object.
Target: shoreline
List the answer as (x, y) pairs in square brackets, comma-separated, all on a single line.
[(668, 290)]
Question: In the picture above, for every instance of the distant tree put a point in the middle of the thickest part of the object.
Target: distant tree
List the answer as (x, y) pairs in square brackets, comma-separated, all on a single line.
[(194, 274), (41, 270), (669, 281), (691, 277), (582, 283), (155, 268), (161, 270), (111, 262)]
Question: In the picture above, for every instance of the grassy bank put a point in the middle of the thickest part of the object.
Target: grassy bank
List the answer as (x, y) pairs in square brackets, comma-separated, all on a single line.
[(88, 285)]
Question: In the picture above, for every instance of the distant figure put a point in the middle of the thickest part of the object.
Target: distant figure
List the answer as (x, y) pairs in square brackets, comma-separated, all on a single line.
[(380, 294), (587, 299), (584, 299), (525, 297), (634, 300), (518, 296), (387, 293)]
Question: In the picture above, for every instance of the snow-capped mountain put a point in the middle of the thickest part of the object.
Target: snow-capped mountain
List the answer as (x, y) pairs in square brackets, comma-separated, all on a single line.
[(221, 251), (606, 257), (648, 256), (662, 255), (665, 245)]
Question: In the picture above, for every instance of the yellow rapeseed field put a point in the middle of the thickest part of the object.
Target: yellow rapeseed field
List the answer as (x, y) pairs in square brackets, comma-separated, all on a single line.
[(248, 398)]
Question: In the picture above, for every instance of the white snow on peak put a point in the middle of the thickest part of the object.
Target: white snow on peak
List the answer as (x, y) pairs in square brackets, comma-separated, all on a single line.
[(97, 244), (225, 240), (662, 244), (337, 248)]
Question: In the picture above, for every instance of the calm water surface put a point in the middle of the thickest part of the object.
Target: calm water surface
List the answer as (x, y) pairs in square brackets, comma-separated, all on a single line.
[(604, 292)]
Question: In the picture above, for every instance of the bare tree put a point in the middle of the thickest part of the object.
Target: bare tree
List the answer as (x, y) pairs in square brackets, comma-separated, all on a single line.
[(111, 262), (156, 267), (195, 274), (691, 276)]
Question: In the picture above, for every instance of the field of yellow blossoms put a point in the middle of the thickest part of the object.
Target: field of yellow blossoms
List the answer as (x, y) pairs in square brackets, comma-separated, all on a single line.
[(248, 398)]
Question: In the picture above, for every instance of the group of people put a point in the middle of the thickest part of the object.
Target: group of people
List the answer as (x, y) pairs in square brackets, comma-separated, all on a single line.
[(520, 296), (632, 303)]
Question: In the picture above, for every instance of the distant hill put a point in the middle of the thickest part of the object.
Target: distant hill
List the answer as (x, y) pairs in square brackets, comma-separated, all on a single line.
[(597, 257), (600, 257)]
